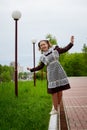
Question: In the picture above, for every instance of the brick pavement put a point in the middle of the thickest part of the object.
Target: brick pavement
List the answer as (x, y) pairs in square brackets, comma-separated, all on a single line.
[(75, 104)]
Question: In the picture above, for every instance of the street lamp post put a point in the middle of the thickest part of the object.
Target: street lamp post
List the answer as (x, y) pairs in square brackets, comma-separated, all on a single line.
[(16, 15), (34, 61)]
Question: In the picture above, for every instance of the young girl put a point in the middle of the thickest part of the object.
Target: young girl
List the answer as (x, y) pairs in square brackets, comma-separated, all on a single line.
[(56, 76)]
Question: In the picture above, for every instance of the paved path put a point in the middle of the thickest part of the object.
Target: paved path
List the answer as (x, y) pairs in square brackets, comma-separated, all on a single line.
[(75, 104)]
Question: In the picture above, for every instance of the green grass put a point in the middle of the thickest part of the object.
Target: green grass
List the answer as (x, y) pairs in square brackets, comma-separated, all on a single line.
[(28, 111)]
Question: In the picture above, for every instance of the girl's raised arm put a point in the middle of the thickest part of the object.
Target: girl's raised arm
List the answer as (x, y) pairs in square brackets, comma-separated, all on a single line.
[(66, 48)]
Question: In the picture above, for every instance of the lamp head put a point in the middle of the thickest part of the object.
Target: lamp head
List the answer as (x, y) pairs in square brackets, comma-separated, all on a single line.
[(33, 41), (16, 15)]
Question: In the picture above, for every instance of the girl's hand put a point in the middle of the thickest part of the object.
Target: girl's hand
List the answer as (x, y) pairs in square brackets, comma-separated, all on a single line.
[(72, 39), (28, 68)]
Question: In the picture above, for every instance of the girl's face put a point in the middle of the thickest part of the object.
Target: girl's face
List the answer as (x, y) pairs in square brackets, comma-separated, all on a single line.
[(43, 46)]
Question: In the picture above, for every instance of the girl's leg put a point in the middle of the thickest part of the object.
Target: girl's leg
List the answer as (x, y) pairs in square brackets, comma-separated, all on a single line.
[(55, 100), (59, 95)]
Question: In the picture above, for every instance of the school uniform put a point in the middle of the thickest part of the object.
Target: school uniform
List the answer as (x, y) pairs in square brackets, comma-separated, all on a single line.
[(56, 76)]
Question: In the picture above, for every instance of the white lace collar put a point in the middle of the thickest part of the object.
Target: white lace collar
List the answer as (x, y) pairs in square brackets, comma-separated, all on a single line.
[(49, 50)]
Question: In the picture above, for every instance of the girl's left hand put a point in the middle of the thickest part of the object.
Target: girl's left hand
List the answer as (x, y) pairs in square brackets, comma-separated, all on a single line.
[(72, 39), (28, 68)]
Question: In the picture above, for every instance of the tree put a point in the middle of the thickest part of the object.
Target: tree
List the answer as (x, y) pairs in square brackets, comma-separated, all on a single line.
[(84, 50), (6, 73), (5, 76), (52, 39), (74, 64)]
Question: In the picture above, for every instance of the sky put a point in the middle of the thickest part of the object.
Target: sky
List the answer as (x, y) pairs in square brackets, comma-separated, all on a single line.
[(60, 18)]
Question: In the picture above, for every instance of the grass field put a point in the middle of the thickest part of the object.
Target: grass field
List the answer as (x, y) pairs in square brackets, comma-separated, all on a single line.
[(29, 111)]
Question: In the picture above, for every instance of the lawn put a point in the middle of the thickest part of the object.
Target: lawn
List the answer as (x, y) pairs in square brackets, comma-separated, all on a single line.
[(29, 111)]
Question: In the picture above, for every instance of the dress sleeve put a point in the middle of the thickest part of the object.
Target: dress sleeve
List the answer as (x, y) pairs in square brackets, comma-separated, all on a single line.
[(65, 49), (39, 67)]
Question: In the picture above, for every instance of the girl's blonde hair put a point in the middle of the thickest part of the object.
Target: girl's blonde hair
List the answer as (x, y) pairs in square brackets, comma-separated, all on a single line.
[(49, 44)]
